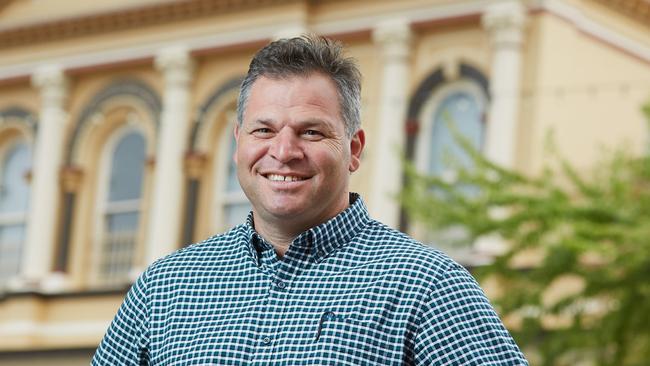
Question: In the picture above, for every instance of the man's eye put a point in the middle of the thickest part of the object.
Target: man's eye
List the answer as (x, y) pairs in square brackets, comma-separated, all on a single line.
[(263, 130), (312, 133)]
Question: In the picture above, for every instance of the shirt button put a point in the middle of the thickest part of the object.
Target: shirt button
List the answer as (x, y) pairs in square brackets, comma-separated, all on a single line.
[(281, 285), (266, 340)]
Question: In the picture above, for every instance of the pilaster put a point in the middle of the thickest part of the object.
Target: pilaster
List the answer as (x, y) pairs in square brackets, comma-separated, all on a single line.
[(41, 236), (505, 22), (163, 234), (393, 37)]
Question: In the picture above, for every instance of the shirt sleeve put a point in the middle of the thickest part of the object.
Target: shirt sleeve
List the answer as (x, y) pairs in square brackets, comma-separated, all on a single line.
[(126, 341), (460, 327)]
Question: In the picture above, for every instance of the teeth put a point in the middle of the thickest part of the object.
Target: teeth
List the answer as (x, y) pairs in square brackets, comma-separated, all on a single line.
[(282, 178)]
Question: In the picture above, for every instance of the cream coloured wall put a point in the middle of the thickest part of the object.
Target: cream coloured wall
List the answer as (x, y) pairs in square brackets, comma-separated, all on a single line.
[(447, 47), (587, 92)]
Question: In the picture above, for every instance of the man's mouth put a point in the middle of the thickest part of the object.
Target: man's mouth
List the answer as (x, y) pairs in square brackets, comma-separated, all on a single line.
[(283, 178)]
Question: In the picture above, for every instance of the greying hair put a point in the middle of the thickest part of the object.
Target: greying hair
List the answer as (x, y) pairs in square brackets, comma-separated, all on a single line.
[(302, 56)]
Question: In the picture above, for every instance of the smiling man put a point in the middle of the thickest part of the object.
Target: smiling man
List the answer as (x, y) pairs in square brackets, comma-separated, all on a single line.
[(310, 278)]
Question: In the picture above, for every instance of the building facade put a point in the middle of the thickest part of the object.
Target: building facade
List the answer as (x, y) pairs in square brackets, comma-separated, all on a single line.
[(116, 123)]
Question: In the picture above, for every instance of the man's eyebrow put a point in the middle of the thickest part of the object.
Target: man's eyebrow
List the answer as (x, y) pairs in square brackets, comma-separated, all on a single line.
[(309, 122), (263, 121)]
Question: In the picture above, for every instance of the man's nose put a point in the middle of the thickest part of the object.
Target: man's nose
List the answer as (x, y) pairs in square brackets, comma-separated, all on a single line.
[(286, 146)]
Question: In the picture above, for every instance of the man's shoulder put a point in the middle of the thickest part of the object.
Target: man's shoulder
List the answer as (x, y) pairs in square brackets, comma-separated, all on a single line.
[(403, 252), (205, 253)]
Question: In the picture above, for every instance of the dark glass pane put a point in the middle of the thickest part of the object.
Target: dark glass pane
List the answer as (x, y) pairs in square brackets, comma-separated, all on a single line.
[(14, 189), (462, 111), (127, 168)]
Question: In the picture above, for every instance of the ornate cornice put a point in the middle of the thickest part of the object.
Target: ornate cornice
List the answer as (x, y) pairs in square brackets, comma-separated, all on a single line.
[(636, 9), (125, 19)]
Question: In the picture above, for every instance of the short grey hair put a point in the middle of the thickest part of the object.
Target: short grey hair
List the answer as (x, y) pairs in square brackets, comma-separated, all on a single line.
[(302, 56)]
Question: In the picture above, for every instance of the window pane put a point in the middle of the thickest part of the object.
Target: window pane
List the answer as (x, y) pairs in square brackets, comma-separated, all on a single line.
[(233, 183), (122, 222), (127, 168), (118, 247), (11, 239), (462, 111), (14, 189)]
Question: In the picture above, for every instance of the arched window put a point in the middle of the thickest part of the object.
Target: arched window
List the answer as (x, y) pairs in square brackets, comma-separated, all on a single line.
[(454, 108), (458, 107), (120, 195), (231, 204), (14, 202)]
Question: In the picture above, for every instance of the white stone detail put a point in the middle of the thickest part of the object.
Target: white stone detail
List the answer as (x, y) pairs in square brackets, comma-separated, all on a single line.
[(40, 240), (166, 206), (505, 23), (394, 39)]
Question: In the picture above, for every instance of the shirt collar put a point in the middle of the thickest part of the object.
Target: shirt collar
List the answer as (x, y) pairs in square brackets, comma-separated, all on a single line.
[(321, 240)]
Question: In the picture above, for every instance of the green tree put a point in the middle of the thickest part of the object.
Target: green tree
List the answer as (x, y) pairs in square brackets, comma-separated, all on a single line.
[(590, 230)]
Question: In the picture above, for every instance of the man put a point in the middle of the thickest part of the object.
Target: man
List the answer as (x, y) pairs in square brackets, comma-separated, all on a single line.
[(310, 278)]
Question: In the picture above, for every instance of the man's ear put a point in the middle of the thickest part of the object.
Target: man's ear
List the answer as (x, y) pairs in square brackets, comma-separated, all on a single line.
[(357, 142)]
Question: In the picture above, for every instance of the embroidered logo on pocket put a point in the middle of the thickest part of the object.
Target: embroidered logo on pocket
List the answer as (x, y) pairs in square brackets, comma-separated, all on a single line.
[(327, 316)]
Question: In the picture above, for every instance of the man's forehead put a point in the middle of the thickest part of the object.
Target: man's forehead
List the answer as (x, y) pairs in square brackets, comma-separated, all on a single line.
[(313, 88)]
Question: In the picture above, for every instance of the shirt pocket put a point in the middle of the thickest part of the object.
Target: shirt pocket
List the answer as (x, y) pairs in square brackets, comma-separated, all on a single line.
[(351, 337)]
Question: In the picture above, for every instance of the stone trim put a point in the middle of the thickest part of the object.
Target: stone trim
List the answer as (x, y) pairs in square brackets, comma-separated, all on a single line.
[(125, 19), (21, 115), (120, 87)]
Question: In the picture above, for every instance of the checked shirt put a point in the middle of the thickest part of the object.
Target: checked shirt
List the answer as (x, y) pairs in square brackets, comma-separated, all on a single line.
[(350, 291)]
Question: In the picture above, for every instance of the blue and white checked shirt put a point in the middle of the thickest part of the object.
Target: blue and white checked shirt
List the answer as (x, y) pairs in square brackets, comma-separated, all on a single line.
[(350, 291)]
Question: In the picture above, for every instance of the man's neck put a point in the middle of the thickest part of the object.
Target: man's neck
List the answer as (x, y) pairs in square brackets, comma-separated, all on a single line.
[(277, 235), (281, 233)]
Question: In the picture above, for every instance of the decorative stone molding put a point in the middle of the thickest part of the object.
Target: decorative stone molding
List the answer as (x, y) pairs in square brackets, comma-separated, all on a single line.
[(52, 84), (394, 36), (195, 164), (176, 65), (71, 177), (135, 17), (92, 112), (505, 21)]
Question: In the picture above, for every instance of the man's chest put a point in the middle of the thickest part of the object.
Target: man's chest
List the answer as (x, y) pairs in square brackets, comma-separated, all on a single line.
[(356, 317)]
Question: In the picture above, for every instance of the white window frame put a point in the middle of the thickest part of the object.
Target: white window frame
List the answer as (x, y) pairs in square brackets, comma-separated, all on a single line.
[(103, 208)]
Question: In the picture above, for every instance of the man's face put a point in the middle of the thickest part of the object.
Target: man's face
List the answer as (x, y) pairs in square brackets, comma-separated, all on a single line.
[(293, 156)]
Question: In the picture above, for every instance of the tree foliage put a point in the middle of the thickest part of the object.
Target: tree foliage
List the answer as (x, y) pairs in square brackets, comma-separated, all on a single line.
[(585, 297)]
